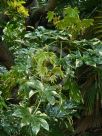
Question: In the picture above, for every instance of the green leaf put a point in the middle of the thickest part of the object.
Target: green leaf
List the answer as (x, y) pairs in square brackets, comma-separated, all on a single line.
[(50, 16), (35, 127), (44, 124), (35, 84), (70, 12), (49, 93), (87, 23)]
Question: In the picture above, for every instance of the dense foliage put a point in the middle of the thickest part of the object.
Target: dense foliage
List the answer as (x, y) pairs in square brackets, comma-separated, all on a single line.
[(54, 88)]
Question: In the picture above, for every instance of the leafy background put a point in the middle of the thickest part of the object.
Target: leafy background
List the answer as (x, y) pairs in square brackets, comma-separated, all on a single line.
[(54, 88)]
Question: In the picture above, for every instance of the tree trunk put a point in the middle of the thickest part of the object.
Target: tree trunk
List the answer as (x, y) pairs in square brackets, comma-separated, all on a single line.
[(6, 58)]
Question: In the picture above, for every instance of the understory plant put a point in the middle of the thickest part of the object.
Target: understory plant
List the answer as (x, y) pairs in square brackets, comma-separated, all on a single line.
[(55, 80)]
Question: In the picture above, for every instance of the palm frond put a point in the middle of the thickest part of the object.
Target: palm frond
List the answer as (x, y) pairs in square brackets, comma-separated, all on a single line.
[(91, 89)]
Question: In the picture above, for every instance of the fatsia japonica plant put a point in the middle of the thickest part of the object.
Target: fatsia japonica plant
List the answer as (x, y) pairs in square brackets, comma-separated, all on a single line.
[(42, 91), (34, 84)]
